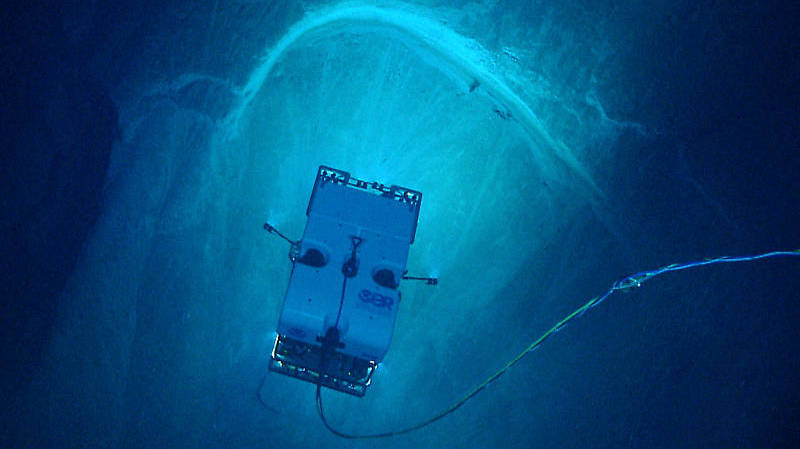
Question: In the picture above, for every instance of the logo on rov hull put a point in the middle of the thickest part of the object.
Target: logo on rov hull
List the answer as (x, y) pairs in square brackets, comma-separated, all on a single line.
[(376, 299)]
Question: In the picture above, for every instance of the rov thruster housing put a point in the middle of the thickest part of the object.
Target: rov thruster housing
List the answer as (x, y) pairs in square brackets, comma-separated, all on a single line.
[(340, 307)]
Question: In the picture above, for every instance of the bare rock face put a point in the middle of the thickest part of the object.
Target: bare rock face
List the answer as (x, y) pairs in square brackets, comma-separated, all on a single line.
[(57, 124)]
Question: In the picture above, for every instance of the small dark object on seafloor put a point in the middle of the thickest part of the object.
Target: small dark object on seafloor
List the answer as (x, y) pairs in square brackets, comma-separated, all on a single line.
[(474, 85), (505, 115)]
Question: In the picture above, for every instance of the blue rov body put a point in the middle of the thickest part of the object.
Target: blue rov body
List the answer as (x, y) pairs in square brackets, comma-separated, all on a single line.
[(339, 312)]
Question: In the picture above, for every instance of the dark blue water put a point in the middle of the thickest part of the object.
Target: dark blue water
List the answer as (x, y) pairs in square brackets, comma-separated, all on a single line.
[(139, 295)]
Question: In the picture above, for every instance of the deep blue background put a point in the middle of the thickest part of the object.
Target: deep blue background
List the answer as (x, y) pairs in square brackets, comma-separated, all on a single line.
[(719, 175)]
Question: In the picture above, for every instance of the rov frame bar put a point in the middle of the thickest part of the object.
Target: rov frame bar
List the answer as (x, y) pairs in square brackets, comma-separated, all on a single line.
[(302, 361)]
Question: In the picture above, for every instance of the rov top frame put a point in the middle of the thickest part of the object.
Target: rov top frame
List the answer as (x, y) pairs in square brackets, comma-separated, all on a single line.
[(402, 194)]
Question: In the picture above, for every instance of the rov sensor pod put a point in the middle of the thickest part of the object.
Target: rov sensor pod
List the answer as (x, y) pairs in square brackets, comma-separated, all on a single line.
[(338, 315)]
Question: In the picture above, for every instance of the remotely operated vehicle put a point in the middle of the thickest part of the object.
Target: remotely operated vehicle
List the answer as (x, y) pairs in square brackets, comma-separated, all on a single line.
[(339, 312)]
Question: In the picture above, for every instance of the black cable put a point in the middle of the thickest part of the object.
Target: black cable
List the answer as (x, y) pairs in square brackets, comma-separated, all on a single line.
[(625, 283), (341, 303), (349, 269), (348, 436)]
